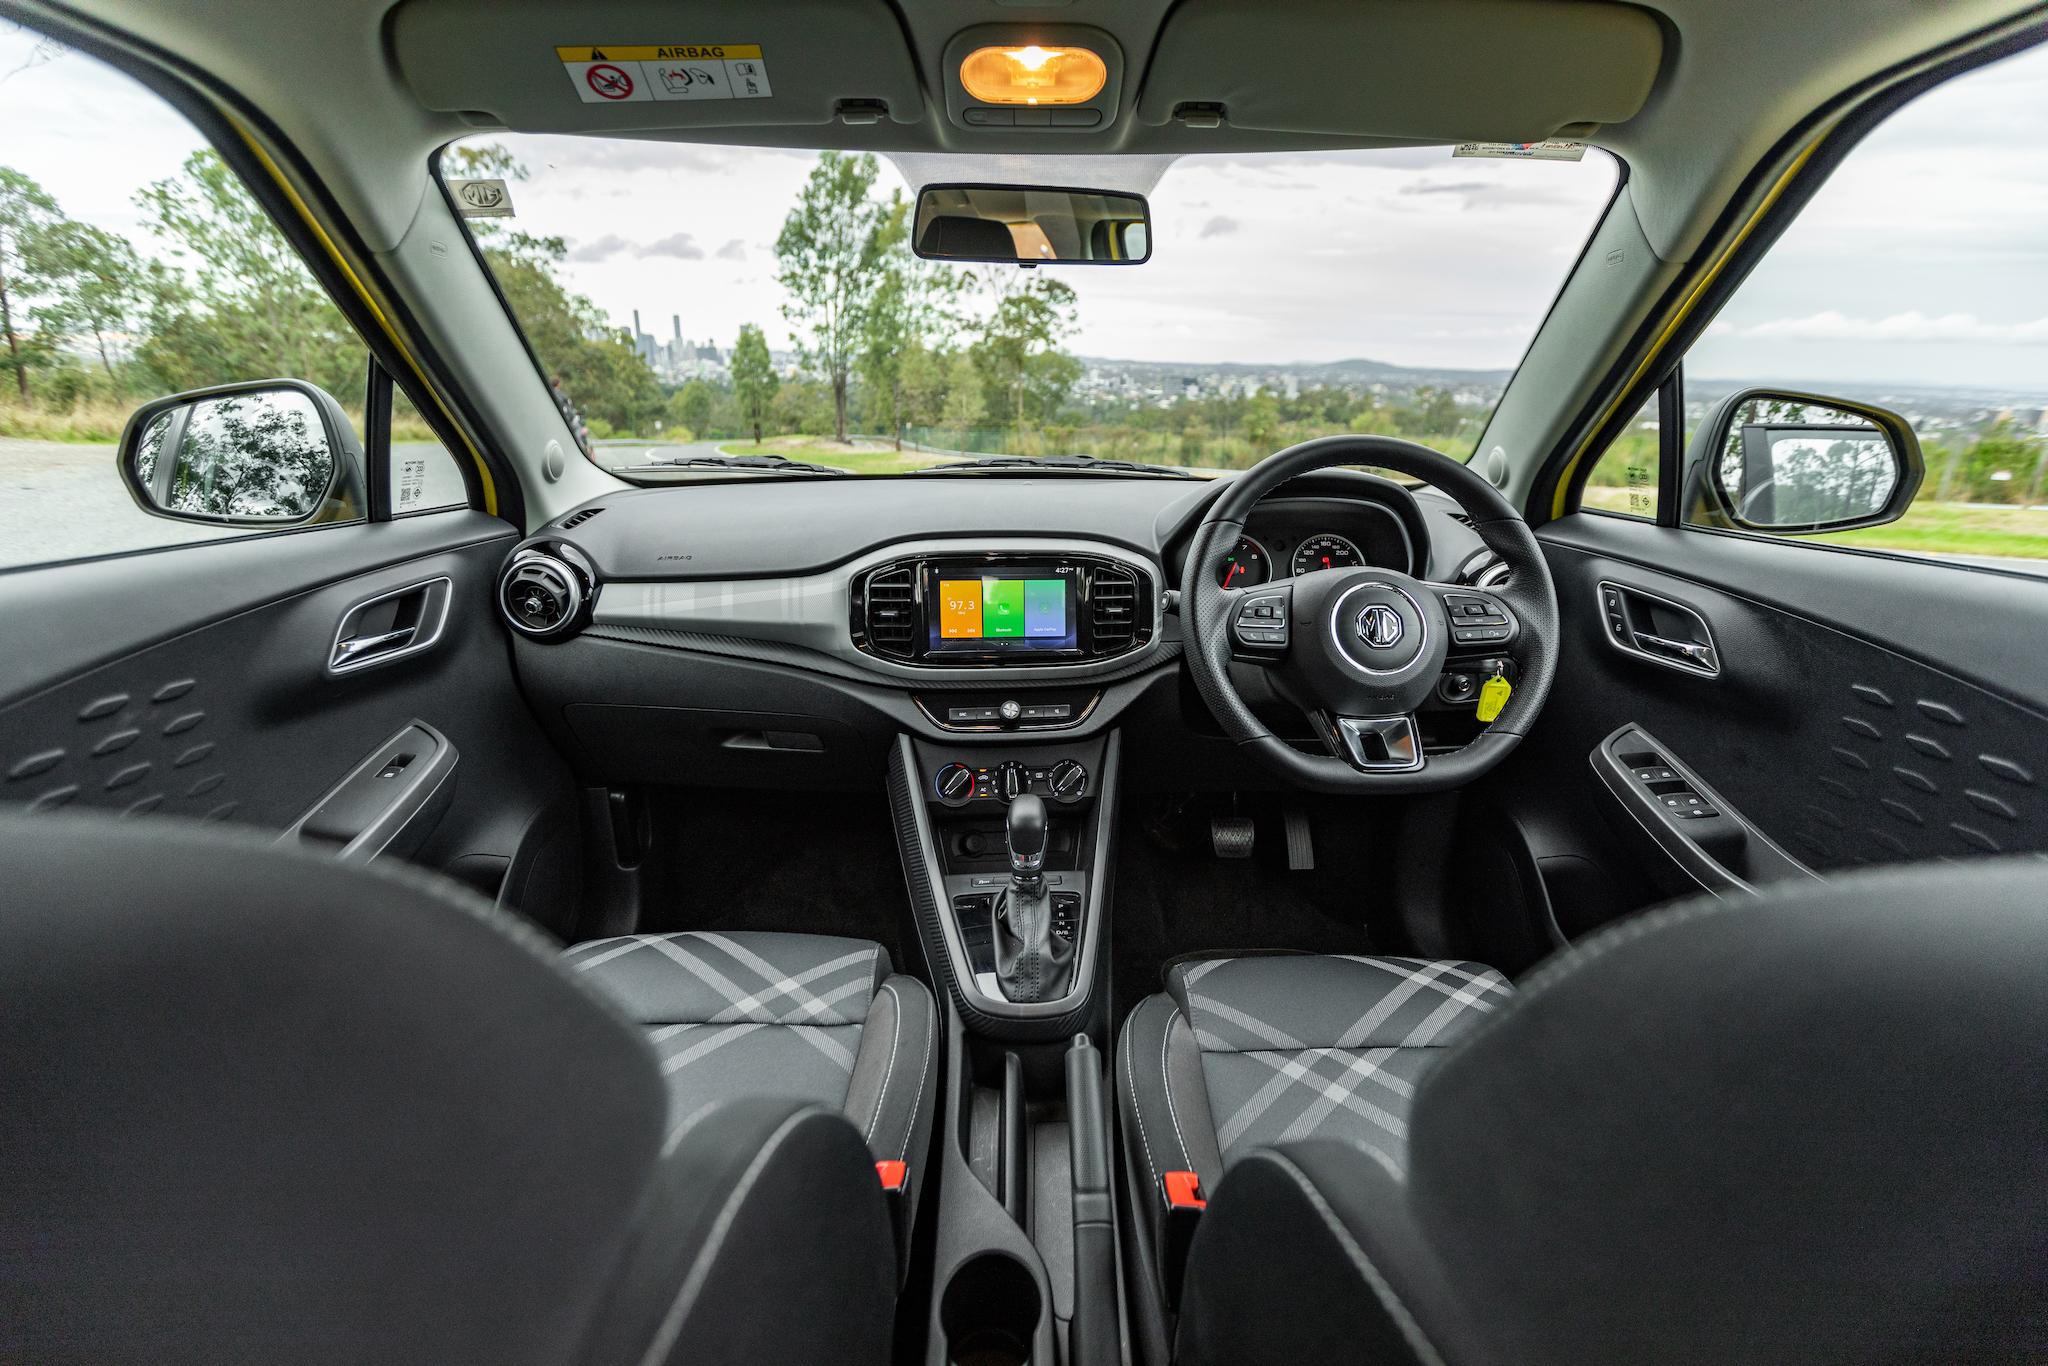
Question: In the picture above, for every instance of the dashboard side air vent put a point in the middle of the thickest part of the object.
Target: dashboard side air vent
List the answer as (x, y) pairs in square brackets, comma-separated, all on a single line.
[(539, 594), (1113, 610), (891, 600), (578, 518), (1461, 518)]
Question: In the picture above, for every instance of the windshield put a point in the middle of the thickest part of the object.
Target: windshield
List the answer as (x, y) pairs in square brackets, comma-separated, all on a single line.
[(704, 310)]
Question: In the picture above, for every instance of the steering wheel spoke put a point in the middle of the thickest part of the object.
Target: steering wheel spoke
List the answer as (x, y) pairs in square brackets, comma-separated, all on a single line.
[(1377, 744)]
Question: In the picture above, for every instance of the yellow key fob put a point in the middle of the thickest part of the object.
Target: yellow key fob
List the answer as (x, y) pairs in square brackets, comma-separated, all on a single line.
[(1493, 695)]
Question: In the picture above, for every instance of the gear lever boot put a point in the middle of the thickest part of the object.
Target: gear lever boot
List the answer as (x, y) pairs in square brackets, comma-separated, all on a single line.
[(1032, 963)]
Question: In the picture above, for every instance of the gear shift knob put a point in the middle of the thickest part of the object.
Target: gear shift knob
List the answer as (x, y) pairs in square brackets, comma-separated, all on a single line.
[(1026, 831)]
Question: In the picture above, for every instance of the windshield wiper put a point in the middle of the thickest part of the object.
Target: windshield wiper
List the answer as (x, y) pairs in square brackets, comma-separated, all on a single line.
[(1065, 462), (777, 463)]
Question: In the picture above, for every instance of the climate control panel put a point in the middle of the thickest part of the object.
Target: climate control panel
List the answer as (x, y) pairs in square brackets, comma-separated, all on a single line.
[(958, 782)]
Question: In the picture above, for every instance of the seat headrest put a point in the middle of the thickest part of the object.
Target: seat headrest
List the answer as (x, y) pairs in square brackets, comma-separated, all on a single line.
[(1739, 1129), (959, 235), (263, 1106)]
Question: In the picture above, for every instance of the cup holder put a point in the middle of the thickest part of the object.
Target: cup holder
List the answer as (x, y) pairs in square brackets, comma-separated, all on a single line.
[(989, 1313)]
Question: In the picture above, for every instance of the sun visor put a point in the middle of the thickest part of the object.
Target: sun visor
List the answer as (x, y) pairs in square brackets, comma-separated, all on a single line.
[(1422, 70), (542, 66)]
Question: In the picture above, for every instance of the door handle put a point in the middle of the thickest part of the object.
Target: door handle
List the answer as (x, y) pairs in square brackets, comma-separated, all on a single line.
[(1677, 649), (390, 625), (359, 647)]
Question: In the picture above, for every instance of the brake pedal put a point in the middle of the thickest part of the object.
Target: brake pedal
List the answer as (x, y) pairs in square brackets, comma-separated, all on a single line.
[(1301, 844), (1231, 836)]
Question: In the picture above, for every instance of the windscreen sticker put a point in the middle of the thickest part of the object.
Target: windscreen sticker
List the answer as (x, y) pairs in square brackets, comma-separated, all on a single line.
[(685, 71), (411, 484), (482, 198), (1553, 150)]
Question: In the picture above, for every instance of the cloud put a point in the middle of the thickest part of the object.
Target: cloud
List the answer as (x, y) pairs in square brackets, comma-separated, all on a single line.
[(680, 245), (735, 250), (1910, 326), (601, 248), (1447, 187), (1219, 226)]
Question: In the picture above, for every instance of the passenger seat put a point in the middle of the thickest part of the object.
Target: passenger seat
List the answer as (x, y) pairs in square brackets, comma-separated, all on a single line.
[(790, 1016)]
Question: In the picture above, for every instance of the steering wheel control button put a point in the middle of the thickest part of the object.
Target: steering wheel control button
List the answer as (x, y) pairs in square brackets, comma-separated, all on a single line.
[(1261, 621)]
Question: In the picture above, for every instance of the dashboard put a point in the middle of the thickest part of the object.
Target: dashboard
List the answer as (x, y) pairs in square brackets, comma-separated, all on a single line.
[(761, 632)]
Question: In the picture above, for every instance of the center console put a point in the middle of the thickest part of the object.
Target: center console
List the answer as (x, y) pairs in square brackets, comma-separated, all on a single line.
[(1006, 843)]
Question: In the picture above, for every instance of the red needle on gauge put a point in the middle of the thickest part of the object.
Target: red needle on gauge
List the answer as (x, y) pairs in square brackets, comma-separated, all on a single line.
[(1234, 567)]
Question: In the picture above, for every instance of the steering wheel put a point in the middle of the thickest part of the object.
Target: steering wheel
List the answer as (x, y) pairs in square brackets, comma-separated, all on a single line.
[(1359, 650)]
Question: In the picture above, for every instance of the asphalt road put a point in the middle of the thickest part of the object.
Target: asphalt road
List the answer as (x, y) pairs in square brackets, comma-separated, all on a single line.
[(62, 500)]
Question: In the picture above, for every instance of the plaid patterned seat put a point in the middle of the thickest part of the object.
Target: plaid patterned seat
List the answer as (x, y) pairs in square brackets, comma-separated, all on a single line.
[(810, 1017), (1241, 1053)]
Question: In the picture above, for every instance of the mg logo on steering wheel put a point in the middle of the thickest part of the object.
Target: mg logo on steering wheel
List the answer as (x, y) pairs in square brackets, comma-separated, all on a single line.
[(1380, 626)]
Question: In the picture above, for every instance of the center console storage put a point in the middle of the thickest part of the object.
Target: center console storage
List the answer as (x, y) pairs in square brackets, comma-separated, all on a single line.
[(1025, 1263)]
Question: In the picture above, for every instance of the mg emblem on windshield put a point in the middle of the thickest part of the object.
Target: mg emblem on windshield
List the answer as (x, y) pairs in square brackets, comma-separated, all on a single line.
[(1380, 626)]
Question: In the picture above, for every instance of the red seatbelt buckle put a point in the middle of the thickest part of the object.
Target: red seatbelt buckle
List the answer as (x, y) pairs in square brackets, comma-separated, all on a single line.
[(895, 1176), (1184, 1205), (895, 1179)]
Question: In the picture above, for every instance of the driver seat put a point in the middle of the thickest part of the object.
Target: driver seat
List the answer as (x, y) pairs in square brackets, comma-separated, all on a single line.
[(1799, 1126)]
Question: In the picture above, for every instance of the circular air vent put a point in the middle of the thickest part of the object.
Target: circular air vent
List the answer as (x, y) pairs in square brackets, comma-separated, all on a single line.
[(539, 594)]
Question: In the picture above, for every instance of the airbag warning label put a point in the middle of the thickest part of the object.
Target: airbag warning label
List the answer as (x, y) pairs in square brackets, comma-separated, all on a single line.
[(682, 71)]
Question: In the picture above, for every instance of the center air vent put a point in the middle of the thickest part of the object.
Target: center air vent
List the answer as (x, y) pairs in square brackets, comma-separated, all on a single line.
[(539, 594), (1114, 610), (892, 610)]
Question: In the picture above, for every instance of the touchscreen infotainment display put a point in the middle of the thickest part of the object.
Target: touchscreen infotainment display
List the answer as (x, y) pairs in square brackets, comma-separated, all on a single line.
[(1001, 611)]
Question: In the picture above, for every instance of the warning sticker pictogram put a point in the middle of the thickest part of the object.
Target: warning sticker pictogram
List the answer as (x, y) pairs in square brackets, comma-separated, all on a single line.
[(610, 82)]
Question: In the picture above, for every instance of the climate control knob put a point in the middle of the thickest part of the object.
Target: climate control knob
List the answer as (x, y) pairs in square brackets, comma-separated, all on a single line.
[(955, 784), (1011, 782), (1068, 780)]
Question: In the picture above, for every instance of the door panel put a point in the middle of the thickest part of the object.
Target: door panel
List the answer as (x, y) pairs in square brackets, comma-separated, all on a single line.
[(196, 682), (1865, 710)]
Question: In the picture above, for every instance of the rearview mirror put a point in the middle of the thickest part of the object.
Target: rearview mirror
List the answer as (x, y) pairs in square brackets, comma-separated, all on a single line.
[(1030, 225), (1791, 463), (275, 452)]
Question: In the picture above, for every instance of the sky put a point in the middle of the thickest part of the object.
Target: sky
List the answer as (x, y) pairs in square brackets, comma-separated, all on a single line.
[(1924, 260)]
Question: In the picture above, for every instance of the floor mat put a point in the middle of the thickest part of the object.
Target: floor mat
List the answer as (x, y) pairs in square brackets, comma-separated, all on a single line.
[(1175, 898), (733, 860)]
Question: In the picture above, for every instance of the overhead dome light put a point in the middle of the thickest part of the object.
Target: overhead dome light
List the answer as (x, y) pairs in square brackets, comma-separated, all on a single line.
[(1033, 75)]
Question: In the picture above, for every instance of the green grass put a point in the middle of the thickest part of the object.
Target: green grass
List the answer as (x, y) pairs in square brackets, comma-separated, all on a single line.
[(1928, 528)]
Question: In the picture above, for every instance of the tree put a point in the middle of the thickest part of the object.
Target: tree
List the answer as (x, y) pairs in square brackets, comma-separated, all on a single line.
[(964, 405), (96, 283), (693, 406), (1019, 353), (922, 382), (828, 254), (754, 379), (26, 210), (914, 303)]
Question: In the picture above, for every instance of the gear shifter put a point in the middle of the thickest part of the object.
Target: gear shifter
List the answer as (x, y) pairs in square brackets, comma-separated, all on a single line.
[(1032, 963)]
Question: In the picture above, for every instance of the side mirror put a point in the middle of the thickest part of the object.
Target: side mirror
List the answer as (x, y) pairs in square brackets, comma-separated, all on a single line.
[(1794, 464), (274, 452), (1031, 225)]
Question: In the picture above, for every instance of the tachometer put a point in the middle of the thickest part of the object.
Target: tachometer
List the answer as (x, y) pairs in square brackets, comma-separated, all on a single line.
[(1246, 565), (1325, 552)]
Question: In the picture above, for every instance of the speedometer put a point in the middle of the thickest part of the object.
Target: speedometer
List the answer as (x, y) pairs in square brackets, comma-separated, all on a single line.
[(1246, 565), (1325, 552)]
